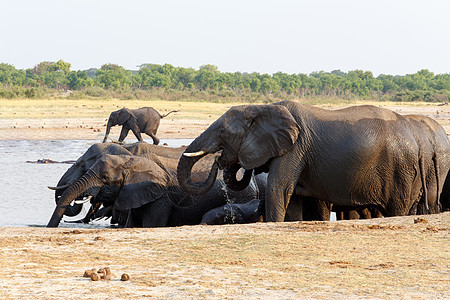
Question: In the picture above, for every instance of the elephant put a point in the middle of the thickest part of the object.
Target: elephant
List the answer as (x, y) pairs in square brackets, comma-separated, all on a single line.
[(433, 160), (146, 189), (356, 157), (235, 213), (141, 120), (97, 150)]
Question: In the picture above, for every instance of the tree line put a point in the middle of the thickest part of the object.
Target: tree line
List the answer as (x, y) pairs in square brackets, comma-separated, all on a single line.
[(50, 78)]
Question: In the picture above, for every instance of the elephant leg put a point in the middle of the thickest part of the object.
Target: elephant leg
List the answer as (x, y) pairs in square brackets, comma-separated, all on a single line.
[(316, 210), (156, 214), (134, 219), (137, 134), (375, 213), (354, 214), (123, 133), (340, 215), (365, 214), (154, 138), (294, 210), (283, 176)]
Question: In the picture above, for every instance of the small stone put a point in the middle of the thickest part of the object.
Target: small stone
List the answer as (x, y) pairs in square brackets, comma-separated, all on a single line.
[(95, 277), (106, 277), (420, 220), (87, 273), (101, 271), (107, 271), (125, 277)]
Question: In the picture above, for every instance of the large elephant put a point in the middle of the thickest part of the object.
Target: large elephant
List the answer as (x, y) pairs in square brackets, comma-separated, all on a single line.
[(97, 150), (357, 157), (434, 162), (147, 190), (141, 120)]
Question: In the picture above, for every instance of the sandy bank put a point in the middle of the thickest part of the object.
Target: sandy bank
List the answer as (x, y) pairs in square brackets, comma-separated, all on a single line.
[(395, 258)]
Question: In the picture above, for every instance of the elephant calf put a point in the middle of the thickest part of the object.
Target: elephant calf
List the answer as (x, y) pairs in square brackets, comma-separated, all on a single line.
[(141, 120), (235, 213)]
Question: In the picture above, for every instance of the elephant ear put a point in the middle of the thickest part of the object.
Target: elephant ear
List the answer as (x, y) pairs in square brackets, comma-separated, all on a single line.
[(145, 182), (123, 115), (272, 133)]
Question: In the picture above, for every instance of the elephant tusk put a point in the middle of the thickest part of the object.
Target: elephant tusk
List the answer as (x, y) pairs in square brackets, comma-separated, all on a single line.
[(193, 154), (61, 187), (84, 200)]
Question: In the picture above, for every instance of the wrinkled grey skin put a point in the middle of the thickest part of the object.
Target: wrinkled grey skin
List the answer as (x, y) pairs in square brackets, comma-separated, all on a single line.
[(96, 151), (434, 163), (235, 213), (355, 157), (141, 120), (146, 189)]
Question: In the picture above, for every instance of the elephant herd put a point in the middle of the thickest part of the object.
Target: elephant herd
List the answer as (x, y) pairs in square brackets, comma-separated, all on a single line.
[(276, 162)]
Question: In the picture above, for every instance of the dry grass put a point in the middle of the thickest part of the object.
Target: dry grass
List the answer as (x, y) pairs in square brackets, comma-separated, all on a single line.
[(379, 258), (64, 108), (84, 108)]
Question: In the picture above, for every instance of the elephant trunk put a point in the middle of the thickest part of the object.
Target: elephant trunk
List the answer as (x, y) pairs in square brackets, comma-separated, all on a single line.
[(108, 129), (63, 184), (229, 176), (85, 182), (184, 172), (73, 210)]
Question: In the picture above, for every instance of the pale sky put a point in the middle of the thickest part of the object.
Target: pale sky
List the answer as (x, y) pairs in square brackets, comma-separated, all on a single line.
[(394, 37)]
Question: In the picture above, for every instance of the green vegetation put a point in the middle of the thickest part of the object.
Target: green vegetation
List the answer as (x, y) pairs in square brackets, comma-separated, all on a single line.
[(56, 80)]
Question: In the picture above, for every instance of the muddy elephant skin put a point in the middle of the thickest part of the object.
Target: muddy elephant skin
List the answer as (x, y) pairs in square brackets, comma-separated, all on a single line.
[(356, 157), (142, 120)]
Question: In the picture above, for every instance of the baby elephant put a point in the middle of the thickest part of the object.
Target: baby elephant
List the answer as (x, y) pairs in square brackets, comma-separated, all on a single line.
[(235, 213), (145, 120)]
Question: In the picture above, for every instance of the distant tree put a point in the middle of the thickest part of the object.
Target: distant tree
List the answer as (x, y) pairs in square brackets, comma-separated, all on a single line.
[(255, 82), (91, 72), (184, 76), (10, 75), (441, 82), (113, 76), (421, 86), (79, 79), (206, 77), (388, 83), (269, 85), (60, 65), (49, 74)]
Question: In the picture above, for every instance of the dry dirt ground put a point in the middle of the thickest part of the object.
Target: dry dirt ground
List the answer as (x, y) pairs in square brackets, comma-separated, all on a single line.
[(388, 258), (94, 128), (394, 258)]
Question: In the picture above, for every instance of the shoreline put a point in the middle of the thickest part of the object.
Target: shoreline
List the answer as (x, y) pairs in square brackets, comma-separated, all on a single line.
[(91, 129)]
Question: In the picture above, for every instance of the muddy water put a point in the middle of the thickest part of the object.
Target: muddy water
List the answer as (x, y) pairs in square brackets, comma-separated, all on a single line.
[(25, 199)]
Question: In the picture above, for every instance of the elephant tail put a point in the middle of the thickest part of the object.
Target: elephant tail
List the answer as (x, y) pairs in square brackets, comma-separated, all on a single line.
[(424, 185), (438, 194), (173, 111)]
